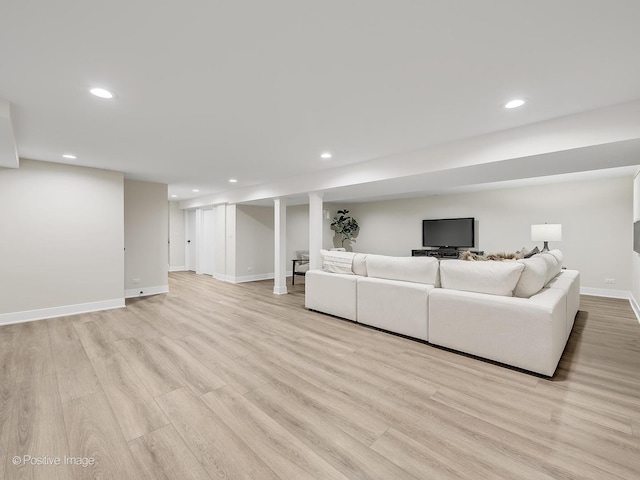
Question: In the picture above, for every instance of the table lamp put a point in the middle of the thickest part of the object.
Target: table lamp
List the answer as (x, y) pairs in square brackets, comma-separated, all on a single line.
[(547, 232)]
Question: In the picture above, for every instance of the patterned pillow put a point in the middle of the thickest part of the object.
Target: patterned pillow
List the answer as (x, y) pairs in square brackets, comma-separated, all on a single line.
[(337, 262)]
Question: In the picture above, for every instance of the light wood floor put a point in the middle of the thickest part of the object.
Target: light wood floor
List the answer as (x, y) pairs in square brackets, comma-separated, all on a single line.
[(229, 381)]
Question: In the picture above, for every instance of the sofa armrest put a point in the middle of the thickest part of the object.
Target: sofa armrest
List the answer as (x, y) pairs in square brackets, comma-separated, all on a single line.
[(528, 333), (569, 282)]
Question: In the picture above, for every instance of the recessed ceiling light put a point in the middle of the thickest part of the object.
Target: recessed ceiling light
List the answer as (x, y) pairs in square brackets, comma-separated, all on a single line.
[(174, 196), (514, 103), (101, 92), (233, 180), (69, 156), (326, 155), (195, 190)]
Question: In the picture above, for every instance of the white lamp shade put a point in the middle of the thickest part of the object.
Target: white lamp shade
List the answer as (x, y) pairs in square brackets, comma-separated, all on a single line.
[(548, 232)]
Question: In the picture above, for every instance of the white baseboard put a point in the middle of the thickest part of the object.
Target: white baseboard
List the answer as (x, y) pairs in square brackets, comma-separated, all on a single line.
[(247, 278), (146, 291), (178, 269), (53, 312), (243, 279), (223, 278), (634, 307), (605, 292), (253, 278)]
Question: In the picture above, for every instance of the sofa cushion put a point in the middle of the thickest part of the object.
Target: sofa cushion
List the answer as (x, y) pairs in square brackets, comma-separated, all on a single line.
[(359, 266), (494, 278), (408, 269), (532, 278), (400, 307), (337, 262), (553, 265), (558, 254)]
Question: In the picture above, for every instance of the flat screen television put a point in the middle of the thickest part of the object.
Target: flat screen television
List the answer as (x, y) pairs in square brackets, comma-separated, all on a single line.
[(449, 233)]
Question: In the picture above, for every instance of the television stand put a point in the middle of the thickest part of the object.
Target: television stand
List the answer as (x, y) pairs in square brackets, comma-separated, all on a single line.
[(442, 253)]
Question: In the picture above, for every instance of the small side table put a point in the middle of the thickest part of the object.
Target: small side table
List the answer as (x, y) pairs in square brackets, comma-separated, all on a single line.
[(293, 270)]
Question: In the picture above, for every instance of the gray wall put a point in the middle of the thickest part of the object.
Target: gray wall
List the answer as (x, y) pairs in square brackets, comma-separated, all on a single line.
[(61, 239), (298, 229), (596, 219), (145, 235), (254, 241)]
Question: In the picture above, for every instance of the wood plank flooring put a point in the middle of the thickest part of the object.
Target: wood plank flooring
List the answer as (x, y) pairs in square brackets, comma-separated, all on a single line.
[(228, 381)]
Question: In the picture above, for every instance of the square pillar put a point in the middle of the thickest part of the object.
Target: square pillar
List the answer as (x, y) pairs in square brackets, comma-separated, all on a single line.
[(315, 230), (280, 243)]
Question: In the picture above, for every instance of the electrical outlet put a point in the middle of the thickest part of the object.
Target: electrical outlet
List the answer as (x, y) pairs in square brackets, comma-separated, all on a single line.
[(135, 281), (610, 281)]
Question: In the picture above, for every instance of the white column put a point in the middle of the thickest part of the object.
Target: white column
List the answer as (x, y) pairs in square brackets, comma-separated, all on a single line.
[(315, 230), (280, 242)]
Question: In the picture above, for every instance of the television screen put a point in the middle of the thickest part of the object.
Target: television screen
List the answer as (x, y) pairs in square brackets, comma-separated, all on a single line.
[(636, 236), (448, 233)]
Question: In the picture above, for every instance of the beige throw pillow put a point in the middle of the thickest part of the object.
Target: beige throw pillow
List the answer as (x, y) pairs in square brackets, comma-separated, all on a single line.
[(337, 262), (533, 277)]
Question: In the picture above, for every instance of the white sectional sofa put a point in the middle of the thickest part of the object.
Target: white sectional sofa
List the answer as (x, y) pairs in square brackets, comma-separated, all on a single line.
[(516, 312)]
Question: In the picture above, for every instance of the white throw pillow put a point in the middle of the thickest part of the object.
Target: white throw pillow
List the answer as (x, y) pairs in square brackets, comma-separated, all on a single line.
[(533, 277), (337, 262), (492, 277), (558, 254), (359, 266), (553, 266), (408, 269)]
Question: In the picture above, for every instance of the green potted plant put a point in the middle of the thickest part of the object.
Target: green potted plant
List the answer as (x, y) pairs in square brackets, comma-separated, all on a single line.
[(344, 226)]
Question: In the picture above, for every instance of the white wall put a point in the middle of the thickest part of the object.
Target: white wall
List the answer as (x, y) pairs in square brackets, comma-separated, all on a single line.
[(329, 239), (297, 231), (145, 234), (61, 240), (596, 219), (254, 242), (177, 261), (635, 257)]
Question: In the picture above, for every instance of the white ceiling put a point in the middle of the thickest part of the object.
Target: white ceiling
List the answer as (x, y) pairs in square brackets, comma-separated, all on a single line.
[(256, 90)]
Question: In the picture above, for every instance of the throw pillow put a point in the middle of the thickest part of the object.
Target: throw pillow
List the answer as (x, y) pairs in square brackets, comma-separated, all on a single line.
[(468, 255), (359, 265), (533, 277), (532, 253), (553, 266), (337, 262)]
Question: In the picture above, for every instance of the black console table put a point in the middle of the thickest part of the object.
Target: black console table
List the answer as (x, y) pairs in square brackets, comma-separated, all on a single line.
[(443, 253)]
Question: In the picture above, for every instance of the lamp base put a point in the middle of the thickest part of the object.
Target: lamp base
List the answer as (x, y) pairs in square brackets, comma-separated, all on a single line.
[(545, 248)]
